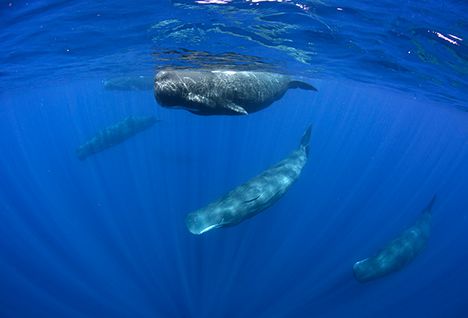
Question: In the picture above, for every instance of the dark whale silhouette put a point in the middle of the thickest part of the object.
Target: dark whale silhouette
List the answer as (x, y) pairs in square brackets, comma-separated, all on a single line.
[(252, 197), (114, 135), (222, 92), (399, 252)]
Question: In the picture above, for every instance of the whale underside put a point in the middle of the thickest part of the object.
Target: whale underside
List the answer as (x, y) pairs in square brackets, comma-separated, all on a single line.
[(252, 197), (221, 92)]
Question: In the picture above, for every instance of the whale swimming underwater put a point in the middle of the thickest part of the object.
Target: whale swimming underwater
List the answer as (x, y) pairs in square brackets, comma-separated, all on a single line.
[(114, 135), (221, 92), (399, 252), (252, 197)]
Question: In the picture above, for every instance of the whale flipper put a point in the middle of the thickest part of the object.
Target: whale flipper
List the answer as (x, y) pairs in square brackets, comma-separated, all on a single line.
[(253, 199), (301, 85)]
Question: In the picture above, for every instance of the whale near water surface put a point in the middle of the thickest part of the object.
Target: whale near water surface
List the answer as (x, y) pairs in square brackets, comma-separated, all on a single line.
[(222, 92)]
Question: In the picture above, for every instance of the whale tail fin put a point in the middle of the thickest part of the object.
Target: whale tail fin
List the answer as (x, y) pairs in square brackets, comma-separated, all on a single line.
[(428, 208), (301, 85), (306, 139)]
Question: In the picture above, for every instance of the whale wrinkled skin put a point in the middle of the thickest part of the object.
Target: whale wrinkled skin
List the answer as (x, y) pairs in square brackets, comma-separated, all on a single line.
[(252, 197), (221, 92), (399, 252)]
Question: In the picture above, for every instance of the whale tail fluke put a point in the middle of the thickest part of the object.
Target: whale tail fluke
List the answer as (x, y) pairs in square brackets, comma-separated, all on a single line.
[(306, 139), (428, 208), (301, 85)]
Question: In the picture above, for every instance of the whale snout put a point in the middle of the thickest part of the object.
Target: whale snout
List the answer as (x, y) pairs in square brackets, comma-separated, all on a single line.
[(198, 224), (193, 224), (360, 270), (168, 90)]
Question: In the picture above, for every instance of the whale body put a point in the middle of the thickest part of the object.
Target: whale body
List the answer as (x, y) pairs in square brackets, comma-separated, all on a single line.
[(399, 252), (114, 135), (221, 92), (252, 197)]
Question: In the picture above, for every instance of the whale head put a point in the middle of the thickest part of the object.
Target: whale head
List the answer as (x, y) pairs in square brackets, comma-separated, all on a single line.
[(374, 267), (185, 89), (179, 89), (169, 89), (363, 270), (198, 222)]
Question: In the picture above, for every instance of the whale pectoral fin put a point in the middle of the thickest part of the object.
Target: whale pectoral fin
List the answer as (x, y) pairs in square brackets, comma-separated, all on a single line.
[(302, 85), (237, 108), (253, 199)]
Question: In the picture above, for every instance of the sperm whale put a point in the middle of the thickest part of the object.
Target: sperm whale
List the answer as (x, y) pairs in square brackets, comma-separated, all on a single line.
[(222, 92), (252, 197), (114, 135), (399, 252)]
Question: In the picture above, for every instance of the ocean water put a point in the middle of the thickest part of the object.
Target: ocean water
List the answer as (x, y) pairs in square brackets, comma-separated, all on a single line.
[(106, 236)]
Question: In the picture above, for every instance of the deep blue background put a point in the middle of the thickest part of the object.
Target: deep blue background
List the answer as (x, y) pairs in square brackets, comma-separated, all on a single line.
[(106, 237)]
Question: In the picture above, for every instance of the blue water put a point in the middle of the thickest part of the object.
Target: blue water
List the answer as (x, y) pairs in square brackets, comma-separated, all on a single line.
[(106, 237)]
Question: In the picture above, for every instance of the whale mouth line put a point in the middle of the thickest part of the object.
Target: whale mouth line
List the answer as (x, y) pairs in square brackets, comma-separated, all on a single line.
[(206, 229), (199, 231)]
